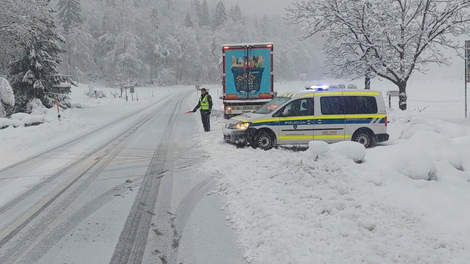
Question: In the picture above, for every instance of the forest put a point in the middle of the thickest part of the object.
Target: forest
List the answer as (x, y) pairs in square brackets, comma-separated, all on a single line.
[(146, 42)]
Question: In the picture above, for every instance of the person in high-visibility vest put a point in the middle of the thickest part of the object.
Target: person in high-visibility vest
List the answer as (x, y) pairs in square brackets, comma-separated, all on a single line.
[(205, 103)]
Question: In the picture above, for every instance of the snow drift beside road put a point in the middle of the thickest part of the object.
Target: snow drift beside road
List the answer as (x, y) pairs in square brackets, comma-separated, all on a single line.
[(405, 201), (320, 206)]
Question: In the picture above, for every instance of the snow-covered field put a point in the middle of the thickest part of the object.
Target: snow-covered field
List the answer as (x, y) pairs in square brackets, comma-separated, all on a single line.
[(407, 202), (86, 114)]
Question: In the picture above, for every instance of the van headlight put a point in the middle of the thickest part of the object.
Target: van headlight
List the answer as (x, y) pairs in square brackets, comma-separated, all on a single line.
[(242, 125)]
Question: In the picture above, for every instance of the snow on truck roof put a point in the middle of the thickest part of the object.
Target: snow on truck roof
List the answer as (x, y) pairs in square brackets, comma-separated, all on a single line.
[(248, 44)]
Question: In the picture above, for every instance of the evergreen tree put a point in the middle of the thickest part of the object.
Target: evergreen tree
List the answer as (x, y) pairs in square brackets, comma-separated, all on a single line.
[(169, 5), (35, 73), (220, 16), (7, 99), (236, 14), (204, 17), (69, 13), (187, 22)]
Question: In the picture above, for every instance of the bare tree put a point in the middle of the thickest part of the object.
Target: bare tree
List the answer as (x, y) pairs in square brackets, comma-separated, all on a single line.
[(387, 38)]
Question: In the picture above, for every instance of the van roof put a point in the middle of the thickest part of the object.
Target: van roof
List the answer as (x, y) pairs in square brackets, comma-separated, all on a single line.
[(329, 91)]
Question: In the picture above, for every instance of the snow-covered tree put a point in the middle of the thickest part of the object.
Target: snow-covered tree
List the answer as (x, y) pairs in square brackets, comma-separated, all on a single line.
[(391, 39), (220, 16), (125, 57), (204, 15), (7, 99), (69, 14), (34, 73), (188, 22), (79, 54), (236, 14)]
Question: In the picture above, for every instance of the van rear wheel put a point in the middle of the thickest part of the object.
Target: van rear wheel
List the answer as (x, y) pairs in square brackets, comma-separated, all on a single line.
[(364, 137), (264, 140)]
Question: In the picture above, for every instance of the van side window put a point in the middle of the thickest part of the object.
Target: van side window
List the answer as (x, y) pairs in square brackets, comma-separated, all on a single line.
[(332, 105), (301, 107), (360, 105)]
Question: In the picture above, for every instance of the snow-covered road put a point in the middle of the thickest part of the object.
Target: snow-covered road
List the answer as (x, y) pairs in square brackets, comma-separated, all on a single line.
[(125, 192)]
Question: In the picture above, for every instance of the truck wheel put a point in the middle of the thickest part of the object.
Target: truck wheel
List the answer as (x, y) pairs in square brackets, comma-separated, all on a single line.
[(264, 141), (364, 137)]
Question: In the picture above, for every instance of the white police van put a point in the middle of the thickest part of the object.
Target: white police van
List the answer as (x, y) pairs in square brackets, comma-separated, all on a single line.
[(324, 114)]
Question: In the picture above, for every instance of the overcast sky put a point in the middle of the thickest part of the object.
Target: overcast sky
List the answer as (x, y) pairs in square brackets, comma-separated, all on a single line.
[(256, 6)]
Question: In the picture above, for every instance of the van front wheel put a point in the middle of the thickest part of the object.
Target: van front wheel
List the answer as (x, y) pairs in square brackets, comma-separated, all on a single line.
[(264, 140), (364, 137)]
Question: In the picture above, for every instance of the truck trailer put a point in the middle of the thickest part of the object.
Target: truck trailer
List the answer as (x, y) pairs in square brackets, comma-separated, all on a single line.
[(248, 79)]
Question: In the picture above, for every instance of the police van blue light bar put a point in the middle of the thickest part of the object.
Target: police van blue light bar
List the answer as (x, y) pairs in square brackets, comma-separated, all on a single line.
[(318, 87)]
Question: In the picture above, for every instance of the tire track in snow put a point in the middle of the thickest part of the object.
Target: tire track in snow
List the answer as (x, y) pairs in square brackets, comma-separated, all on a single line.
[(133, 239), (16, 251)]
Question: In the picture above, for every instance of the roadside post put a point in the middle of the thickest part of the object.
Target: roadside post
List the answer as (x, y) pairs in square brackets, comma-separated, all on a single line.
[(467, 71), (57, 103), (198, 88), (132, 90)]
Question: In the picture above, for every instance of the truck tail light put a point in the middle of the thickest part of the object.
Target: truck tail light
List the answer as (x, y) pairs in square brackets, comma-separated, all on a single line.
[(386, 121)]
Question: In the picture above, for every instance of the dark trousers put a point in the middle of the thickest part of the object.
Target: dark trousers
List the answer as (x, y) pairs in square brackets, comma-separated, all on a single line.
[(206, 120)]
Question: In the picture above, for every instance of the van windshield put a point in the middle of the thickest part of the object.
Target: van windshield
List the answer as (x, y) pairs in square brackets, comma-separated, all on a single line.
[(272, 105)]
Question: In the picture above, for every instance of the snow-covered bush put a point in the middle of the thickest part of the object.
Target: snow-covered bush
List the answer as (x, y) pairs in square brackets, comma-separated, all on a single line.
[(115, 93), (92, 93), (7, 99), (317, 149), (415, 164), (36, 107), (350, 149)]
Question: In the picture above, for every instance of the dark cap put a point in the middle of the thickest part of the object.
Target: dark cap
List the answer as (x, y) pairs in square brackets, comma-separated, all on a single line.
[(204, 89)]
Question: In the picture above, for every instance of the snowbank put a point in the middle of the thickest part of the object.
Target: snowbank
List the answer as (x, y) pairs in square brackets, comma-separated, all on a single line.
[(405, 201)]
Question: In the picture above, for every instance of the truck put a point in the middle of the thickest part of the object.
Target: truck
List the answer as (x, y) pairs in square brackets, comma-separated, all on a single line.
[(248, 79)]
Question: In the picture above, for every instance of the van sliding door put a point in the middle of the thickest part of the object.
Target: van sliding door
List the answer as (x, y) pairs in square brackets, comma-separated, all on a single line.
[(330, 122)]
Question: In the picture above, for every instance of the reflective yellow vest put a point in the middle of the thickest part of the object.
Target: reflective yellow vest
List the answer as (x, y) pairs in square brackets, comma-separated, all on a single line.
[(204, 103)]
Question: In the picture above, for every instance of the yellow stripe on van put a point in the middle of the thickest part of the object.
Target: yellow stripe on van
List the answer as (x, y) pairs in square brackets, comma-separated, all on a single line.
[(296, 118), (307, 95), (239, 119), (265, 121), (364, 116)]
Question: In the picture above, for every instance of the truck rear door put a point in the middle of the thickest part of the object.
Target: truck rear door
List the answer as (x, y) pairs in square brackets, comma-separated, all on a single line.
[(248, 72)]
